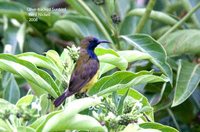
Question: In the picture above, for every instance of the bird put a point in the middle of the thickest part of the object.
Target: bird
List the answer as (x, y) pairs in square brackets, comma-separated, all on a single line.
[(85, 73)]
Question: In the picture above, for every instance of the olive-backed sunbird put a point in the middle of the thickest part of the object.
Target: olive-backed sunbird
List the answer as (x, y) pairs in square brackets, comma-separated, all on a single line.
[(85, 72)]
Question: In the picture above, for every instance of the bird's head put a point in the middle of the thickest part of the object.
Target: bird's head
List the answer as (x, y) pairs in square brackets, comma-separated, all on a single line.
[(90, 43)]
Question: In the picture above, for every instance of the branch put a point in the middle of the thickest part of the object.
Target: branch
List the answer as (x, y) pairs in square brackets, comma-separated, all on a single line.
[(180, 22), (144, 18)]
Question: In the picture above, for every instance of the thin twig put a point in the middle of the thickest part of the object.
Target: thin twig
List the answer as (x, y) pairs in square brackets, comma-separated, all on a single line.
[(188, 7), (173, 118), (144, 18), (180, 22)]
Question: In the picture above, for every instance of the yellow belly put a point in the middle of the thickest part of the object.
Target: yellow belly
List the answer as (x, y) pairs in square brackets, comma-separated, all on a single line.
[(90, 83)]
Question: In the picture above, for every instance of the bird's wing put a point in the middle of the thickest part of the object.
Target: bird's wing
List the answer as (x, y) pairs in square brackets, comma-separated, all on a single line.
[(83, 73)]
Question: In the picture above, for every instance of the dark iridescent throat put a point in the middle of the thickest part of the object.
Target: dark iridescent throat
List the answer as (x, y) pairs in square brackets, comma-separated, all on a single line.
[(90, 50)]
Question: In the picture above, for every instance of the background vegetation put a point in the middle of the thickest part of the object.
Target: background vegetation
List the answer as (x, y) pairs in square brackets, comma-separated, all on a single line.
[(149, 73)]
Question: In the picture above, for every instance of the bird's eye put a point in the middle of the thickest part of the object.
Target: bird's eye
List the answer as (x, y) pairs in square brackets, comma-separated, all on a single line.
[(95, 40)]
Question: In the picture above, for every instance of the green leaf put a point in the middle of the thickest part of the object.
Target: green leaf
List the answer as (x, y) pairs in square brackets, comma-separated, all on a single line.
[(44, 103), (182, 42), (30, 72), (128, 25), (107, 64), (135, 55), (4, 126), (35, 44), (49, 20), (123, 79), (119, 62), (188, 78), (13, 10), (76, 6), (105, 67), (158, 96), (21, 36), (5, 105), (54, 56), (68, 63), (86, 26), (67, 28), (69, 112), (138, 96), (123, 7), (136, 128), (77, 122), (121, 102), (25, 129), (43, 62), (158, 126), (11, 88), (148, 45), (25, 101), (40, 122), (103, 51), (84, 8), (131, 127), (155, 15)]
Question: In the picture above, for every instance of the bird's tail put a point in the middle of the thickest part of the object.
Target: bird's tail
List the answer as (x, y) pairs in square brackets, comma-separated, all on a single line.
[(61, 98)]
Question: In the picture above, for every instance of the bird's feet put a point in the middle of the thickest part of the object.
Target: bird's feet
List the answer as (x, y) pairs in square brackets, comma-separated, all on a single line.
[(80, 95)]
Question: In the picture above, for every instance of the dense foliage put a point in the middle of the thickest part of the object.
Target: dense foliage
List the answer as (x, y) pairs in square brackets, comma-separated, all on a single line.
[(149, 74)]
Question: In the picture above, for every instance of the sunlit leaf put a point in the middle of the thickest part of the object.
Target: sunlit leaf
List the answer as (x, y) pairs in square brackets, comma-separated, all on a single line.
[(77, 122), (5, 105), (29, 72), (25, 129), (42, 61), (123, 79), (128, 55), (25, 101), (54, 56), (141, 98), (69, 112), (148, 45), (4, 127), (103, 51), (119, 62), (136, 128), (158, 126)]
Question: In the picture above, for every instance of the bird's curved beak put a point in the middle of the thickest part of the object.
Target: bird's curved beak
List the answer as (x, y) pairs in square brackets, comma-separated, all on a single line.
[(103, 41)]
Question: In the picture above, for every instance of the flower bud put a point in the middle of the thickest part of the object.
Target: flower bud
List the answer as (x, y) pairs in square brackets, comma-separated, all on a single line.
[(99, 2), (116, 19)]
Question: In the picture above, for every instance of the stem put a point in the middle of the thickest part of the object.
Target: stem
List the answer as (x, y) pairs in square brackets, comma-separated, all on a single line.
[(99, 24), (112, 28), (9, 124), (155, 15), (144, 18), (107, 18), (173, 118), (116, 36), (180, 22), (188, 7)]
